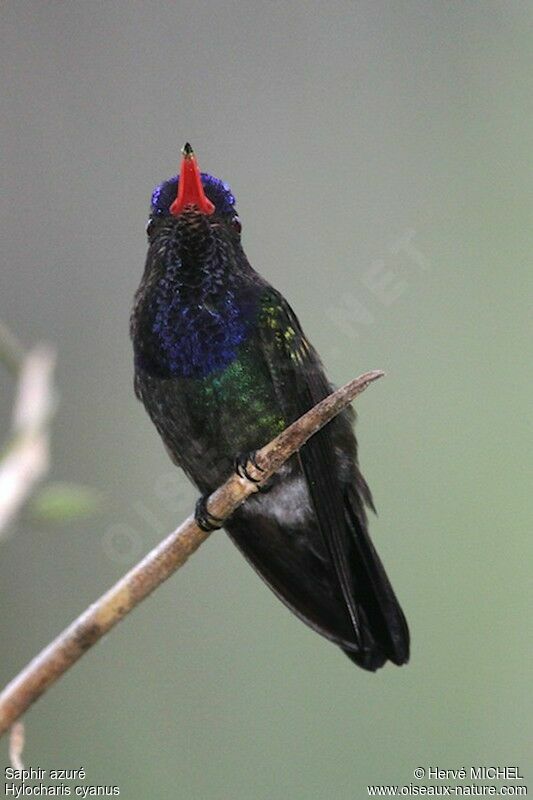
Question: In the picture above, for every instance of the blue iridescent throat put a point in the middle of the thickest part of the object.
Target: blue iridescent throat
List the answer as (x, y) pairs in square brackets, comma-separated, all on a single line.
[(195, 340), (218, 192), (197, 318)]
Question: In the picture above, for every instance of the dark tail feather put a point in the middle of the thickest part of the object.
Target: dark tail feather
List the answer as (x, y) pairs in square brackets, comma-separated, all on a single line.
[(370, 660), (384, 622)]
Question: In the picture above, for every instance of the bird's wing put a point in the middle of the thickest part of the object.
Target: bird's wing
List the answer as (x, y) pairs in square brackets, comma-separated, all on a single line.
[(300, 383), (377, 620)]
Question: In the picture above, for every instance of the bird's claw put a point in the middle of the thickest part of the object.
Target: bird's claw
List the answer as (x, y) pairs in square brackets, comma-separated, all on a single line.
[(206, 521), (242, 462)]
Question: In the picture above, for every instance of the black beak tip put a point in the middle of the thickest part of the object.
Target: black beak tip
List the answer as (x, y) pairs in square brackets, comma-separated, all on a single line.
[(187, 150)]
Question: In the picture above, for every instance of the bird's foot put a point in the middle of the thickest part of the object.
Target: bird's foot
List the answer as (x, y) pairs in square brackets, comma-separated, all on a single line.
[(206, 521), (243, 463)]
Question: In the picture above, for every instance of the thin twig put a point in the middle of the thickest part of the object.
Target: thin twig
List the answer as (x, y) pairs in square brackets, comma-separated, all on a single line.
[(26, 458), (16, 745), (164, 559)]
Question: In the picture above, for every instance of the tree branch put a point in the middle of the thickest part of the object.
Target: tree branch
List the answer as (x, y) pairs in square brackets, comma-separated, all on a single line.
[(25, 460), (164, 559), (16, 745)]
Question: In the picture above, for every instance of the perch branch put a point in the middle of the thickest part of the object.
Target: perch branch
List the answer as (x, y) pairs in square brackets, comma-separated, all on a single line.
[(164, 559)]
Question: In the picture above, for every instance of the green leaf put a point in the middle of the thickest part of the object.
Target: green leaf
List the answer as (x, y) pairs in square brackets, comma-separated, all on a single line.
[(63, 502)]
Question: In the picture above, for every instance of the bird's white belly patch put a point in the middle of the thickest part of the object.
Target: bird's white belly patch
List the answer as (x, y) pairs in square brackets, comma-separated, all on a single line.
[(288, 502)]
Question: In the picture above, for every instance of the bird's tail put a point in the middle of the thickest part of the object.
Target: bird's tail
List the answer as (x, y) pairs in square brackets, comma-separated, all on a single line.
[(384, 626)]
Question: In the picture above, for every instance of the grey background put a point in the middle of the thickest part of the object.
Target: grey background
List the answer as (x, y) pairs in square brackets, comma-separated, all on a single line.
[(346, 130)]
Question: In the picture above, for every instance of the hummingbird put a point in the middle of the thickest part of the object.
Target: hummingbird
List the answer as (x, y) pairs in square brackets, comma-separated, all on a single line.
[(222, 366)]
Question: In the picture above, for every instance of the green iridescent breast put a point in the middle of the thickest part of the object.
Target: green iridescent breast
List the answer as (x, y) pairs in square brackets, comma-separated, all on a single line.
[(242, 402)]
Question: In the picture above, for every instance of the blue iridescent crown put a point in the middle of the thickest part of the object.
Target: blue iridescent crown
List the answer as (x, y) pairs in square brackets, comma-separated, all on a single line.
[(216, 190)]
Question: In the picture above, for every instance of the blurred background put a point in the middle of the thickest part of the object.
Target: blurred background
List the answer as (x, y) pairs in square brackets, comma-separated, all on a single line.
[(379, 155)]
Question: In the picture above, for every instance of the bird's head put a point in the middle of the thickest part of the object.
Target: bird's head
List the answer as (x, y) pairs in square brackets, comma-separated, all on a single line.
[(193, 202), (186, 320)]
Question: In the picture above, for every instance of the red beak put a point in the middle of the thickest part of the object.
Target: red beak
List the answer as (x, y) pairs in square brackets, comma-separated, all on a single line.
[(190, 189)]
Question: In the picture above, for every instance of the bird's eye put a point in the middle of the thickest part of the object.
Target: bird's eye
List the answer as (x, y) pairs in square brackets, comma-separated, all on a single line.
[(150, 226), (236, 224)]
